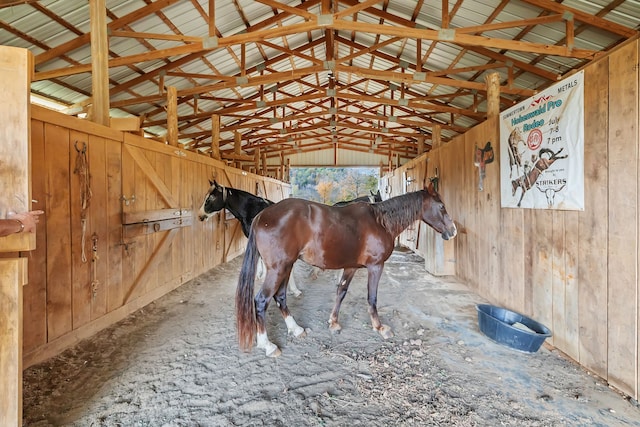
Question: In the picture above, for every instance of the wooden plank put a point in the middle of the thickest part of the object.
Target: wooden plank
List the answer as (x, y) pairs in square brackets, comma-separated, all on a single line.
[(80, 223), (154, 215), (113, 154), (593, 226), (16, 66), (558, 275), (571, 288), (129, 247), (35, 293), (50, 116), (623, 220), (97, 238), (539, 238), (59, 318), (636, 396), (125, 124), (150, 241), (135, 230), (12, 277), (186, 186)]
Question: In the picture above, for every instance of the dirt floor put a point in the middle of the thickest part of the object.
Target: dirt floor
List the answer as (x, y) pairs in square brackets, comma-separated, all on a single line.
[(176, 363)]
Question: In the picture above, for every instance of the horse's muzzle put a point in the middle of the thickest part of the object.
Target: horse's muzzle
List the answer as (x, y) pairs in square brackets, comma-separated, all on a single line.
[(450, 233)]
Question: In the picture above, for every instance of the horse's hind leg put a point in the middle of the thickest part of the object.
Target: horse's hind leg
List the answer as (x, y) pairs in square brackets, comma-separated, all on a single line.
[(281, 299), (341, 292), (375, 272), (261, 300), (293, 288)]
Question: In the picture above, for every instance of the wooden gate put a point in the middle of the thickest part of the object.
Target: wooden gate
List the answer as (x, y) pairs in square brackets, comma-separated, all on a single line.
[(152, 215)]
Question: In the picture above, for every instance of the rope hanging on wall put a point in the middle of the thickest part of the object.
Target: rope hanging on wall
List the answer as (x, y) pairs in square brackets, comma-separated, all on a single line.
[(82, 170), (95, 283)]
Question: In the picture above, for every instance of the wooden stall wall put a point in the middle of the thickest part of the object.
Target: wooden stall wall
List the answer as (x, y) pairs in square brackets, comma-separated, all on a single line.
[(439, 255), (576, 272), (120, 226)]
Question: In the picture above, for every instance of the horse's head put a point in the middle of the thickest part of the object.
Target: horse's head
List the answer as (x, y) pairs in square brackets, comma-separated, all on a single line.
[(214, 201), (435, 214)]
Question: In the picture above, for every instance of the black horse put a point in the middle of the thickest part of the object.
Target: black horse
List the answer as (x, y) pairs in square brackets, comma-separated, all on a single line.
[(373, 198), (244, 206)]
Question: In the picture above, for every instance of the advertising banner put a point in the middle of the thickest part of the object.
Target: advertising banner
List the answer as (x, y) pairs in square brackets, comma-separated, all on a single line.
[(542, 149)]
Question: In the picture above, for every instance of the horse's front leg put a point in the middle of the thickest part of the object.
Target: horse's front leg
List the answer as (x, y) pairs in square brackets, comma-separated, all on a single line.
[(281, 299), (341, 292), (375, 271)]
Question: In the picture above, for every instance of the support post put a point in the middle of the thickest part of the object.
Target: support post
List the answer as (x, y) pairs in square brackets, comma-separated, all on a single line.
[(99, 62), (172, 116), (492, 81), (215, 136), (16, 69)]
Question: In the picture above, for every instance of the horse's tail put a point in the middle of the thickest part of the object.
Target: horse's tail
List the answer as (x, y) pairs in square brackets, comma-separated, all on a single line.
[(245, 306)]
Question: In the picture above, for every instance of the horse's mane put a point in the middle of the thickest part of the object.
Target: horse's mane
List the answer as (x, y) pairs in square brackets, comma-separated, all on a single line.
[(248, 195), (399, 212)]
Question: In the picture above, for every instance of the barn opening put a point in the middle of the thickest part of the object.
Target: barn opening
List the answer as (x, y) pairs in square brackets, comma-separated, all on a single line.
[(330, 185)]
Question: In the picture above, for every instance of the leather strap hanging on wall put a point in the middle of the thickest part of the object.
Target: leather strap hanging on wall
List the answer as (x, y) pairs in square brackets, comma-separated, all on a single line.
[(82, 170)]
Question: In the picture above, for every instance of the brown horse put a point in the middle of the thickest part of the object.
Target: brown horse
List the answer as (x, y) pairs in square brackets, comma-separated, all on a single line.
[(350, 237)]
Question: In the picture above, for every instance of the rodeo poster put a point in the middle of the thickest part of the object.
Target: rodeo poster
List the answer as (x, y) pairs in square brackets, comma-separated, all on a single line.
[(542, 149)]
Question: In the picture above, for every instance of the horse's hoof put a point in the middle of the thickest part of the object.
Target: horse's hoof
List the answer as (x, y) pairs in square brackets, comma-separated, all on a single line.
[(335, 327), (274, 352), (386, 332), (299, 332), (295, 293)]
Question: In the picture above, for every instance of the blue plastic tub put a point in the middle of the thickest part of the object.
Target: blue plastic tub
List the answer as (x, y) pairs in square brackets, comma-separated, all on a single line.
[(512, 329)]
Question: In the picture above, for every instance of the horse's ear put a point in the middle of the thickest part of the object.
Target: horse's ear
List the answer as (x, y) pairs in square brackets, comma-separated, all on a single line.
[(211, 182), (431, 189)]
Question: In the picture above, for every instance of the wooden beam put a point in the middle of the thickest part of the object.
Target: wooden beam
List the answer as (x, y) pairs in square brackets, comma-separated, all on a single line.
[(511, 24), (585, 17), (292, 10), (155, 36), (463, 39), (493, 95), (212, 18), (215, 136), (172, 116), (99, 62)]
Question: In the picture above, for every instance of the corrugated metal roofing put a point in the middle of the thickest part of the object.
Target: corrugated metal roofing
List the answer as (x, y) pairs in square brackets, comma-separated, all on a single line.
[(348, 79)]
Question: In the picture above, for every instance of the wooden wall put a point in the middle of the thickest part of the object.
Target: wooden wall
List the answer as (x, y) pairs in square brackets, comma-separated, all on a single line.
[(576, 272), (140, 239)]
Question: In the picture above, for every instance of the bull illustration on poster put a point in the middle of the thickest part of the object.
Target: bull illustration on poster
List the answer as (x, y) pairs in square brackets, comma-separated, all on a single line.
[(542, 149)]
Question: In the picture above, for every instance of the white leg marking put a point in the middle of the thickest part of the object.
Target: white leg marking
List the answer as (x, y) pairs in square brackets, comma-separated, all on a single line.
[(293, 288), (293, 328), (270, 348), (261, 270)]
